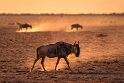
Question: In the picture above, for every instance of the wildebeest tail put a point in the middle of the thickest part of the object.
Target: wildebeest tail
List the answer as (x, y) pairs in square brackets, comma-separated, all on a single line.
[(37, 52)]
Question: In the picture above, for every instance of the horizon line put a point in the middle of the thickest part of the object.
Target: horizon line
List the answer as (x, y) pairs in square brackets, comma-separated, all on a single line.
[(113, 13)]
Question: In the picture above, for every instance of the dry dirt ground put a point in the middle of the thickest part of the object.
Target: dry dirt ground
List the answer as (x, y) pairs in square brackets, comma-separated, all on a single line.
[(101, 59)]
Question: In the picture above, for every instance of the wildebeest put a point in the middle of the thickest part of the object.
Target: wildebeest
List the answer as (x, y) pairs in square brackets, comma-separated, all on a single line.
[(101, 35), (11, 23), (59, 49), (26, 26), (76, 26)]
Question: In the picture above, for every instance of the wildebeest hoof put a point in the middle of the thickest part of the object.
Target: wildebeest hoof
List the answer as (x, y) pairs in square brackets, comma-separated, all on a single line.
[(30, 70)]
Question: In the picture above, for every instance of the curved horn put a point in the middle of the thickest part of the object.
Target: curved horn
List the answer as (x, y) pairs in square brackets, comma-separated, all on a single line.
[(78, 42), (75, 42)]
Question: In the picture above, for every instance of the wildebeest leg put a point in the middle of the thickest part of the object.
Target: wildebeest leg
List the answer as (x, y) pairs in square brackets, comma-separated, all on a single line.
[(26, 29), (42, 62), (34, 64), (67, 63), (57, 62), (77, 28), (20, 28), (71, 28)]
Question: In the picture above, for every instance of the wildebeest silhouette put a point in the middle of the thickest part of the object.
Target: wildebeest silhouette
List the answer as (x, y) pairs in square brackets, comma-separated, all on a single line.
[(59, 49), (11, 23), (26, 26), (76, 26), (101, 35)]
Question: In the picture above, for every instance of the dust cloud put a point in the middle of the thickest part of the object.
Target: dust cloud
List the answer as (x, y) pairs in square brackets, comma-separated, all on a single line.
[(41, 28)]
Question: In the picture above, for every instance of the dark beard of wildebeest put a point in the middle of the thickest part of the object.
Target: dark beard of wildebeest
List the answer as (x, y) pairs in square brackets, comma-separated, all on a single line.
[(26, 26), (76, 26), (59, 49)]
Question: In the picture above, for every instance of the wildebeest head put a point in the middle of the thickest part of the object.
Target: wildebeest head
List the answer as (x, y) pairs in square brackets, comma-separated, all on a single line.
[(76, 49), (30, 26), (81, 26)]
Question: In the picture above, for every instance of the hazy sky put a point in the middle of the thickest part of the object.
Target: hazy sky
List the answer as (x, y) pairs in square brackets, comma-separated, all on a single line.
[(61, 6)]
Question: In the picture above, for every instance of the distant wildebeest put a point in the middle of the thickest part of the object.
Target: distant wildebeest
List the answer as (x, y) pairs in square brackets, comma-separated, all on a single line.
[(101, 35), (76, 26), (11, 23), (59, 49), (26, 26)]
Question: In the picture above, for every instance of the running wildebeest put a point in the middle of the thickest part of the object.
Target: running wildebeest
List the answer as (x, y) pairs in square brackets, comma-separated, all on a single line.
[(26, 26), (76, 26), (59, 49)]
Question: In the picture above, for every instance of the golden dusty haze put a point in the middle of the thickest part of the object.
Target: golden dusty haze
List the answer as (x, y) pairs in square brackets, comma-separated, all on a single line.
[(61, 6)]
